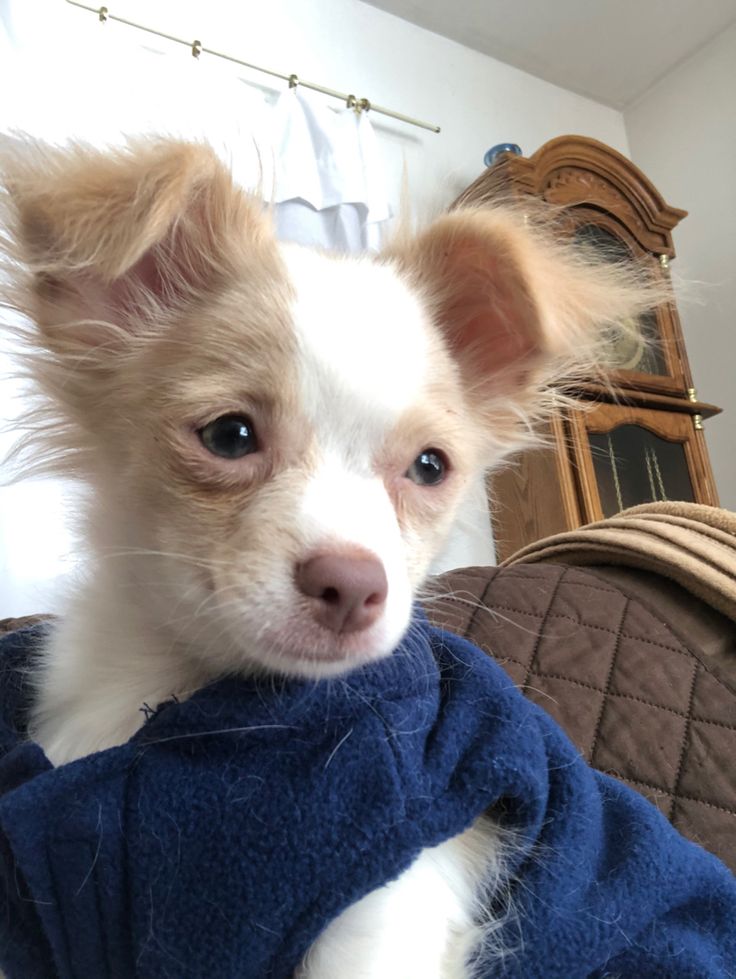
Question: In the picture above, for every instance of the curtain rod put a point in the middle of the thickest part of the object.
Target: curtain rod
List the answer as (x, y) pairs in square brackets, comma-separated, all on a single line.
[(197, 48)]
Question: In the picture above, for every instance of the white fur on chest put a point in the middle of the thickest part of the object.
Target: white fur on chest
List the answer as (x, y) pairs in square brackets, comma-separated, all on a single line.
[(427, 924), (103, 667)]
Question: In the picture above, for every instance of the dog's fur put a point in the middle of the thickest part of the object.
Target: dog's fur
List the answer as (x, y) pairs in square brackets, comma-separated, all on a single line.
[(159, 301)]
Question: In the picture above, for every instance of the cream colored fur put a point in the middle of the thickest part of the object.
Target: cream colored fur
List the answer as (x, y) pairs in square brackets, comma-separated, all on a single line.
[(157, 300)]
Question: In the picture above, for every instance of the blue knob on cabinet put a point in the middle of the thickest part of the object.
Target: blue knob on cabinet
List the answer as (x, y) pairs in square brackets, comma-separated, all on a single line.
[(495, 151)]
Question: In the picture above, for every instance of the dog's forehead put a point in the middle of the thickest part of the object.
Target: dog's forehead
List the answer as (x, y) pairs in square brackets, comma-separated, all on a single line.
[(363, 334)]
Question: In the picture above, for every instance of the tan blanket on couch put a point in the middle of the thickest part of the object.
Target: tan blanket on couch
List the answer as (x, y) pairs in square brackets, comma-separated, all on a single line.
[(693, 544)]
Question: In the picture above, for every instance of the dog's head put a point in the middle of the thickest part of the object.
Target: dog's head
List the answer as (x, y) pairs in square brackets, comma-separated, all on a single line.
[(277, 439)]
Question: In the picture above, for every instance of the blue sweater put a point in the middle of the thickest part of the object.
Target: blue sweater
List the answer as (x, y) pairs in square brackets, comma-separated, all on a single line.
[(221, 839)]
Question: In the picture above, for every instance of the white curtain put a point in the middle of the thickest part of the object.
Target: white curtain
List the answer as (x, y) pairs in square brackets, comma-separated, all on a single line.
[(63, 75)]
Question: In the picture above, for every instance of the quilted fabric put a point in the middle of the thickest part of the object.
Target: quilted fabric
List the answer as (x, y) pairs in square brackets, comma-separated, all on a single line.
[(641, 701)]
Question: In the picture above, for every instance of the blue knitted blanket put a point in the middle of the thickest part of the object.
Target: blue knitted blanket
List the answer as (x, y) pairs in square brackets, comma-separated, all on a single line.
[(221, 839)]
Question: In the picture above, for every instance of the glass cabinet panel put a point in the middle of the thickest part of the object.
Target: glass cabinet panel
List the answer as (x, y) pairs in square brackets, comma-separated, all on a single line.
[(639, 348), (633, 465)]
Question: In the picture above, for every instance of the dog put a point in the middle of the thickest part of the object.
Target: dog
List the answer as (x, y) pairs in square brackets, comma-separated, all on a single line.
[(276, 442)]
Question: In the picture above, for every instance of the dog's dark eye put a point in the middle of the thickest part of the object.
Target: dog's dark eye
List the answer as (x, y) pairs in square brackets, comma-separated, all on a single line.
[(231, 437), (428, 469)]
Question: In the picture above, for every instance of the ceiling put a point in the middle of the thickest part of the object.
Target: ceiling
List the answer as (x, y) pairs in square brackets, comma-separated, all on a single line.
[(609, 50)]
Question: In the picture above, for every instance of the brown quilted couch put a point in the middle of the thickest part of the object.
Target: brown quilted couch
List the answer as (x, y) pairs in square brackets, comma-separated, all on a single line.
[(638, 671)]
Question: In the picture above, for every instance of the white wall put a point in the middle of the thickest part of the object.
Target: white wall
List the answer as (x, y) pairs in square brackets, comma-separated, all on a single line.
[(682, 134), (82, 78)]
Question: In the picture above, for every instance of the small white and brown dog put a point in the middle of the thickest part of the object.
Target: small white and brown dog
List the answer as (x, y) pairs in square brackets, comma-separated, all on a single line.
[(275, 442)]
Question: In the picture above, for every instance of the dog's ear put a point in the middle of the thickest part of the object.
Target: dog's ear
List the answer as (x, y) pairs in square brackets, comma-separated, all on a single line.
[(516, 304), (116, 240)]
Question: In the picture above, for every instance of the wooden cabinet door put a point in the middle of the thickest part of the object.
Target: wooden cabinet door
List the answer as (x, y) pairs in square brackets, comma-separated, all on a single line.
[(624, 455), (597, 461)]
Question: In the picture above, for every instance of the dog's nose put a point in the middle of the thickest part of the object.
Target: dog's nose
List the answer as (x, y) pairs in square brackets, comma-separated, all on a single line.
[(350, 590)]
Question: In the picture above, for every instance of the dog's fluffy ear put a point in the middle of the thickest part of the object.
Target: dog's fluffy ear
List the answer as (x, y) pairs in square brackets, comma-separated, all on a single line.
[(519, 307), (115, 240)]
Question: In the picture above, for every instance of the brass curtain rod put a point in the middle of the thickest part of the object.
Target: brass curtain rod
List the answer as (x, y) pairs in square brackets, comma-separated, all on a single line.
[(197, 48)]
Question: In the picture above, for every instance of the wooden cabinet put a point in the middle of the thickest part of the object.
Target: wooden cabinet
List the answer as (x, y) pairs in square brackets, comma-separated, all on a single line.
[(639, 438)]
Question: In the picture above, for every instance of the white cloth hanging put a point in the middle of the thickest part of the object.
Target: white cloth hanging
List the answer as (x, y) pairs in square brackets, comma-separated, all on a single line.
[(329, 188)]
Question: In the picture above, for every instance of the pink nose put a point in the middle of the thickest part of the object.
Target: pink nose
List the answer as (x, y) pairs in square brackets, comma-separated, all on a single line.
[(349, 590)]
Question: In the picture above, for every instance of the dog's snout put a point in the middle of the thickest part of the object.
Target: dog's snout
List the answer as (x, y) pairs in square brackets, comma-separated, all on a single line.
[(349, 590)]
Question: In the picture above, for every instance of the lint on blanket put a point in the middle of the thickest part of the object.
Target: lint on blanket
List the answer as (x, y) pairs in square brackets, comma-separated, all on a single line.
[(222, 838)]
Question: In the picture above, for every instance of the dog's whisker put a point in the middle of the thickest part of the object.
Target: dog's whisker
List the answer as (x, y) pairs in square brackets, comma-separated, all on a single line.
[(206, 563), (478, 607)]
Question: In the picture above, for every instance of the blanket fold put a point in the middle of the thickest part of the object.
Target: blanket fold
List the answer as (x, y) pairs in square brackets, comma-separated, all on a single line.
[(693, 544), (234, 826)]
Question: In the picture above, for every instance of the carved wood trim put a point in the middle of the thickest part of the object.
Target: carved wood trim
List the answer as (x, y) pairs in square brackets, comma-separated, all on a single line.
[(574, 170)]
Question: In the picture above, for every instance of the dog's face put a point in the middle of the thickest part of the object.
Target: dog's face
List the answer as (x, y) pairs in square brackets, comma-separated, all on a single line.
[(291, 451), (277, 440)]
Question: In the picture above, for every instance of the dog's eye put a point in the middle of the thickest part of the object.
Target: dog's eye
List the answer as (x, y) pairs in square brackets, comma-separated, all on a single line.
[(230, 436), (428, 469)]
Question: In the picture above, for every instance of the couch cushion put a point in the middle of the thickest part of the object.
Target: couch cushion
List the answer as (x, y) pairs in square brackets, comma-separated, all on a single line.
[(643, 696)]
